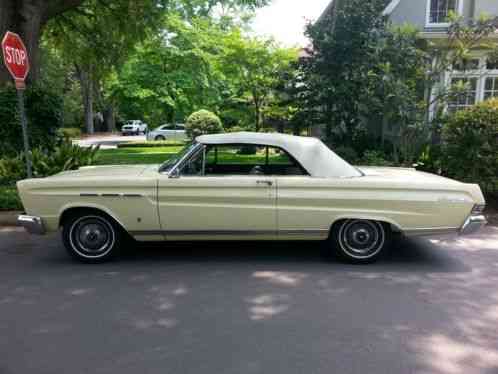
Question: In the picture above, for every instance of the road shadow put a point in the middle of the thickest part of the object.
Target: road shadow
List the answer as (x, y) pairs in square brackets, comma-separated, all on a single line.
[(405, 255)]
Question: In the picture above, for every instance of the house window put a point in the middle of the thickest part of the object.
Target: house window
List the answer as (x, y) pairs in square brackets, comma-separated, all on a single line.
[(466, 64), (464, 99), (491, 88), (439, 10), (491, 64)]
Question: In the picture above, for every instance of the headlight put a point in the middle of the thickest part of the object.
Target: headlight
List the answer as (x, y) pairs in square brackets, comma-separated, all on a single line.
[(478, 209)]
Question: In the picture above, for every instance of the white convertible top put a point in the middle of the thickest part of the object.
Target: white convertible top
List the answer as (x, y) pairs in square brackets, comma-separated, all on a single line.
[(311, 153)]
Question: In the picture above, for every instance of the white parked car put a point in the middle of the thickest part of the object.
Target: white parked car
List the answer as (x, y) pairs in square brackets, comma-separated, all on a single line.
[(168, 132), (135, 127)]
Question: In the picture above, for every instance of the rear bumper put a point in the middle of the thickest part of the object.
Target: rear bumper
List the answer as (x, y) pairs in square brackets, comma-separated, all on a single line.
[(473, 224), (32, 224)]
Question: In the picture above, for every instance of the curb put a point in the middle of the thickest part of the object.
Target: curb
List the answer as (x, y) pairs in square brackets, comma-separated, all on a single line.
[(9, 218)]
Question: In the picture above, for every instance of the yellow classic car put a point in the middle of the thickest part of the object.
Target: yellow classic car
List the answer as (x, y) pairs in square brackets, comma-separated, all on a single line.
[(248, 186)]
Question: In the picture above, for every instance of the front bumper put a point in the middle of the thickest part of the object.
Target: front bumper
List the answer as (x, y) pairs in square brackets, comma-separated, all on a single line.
[(32, 224), (473, 224)]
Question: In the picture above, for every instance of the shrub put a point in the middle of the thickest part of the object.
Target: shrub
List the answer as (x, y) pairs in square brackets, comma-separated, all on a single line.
[(9, 199), (43, 109), (470, 144), (430, 160), (347, 153), (66, 156), (201, 123), (375, 158), (237, 129)]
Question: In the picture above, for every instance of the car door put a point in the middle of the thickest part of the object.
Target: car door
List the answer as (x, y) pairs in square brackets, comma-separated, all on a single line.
[(168, 131), (198, 204), (180, 132)]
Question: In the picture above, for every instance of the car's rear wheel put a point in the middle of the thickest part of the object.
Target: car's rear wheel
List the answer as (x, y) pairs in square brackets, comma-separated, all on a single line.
[(91, 237), (159, 138), (360, 241)]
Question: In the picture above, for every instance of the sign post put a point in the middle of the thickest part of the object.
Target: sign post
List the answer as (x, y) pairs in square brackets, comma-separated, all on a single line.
[(15, 57)]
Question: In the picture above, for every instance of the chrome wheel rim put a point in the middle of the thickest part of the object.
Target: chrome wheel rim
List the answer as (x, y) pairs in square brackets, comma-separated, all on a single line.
[(361, 239), (92, 237)]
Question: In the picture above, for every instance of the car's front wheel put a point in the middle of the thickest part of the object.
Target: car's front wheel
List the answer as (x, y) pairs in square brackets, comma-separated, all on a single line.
[(159, 138), (360, 241), (91, 237)]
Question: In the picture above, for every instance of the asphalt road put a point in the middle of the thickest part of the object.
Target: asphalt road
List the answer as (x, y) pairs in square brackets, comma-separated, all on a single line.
[(429, 307)]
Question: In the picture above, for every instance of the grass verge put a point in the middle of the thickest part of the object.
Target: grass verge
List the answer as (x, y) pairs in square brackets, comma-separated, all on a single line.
[(137, 155), (9, 200)]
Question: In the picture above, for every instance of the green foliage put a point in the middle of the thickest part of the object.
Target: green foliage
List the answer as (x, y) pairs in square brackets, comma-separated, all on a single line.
[(43, 109), (470, 149), (341, 59), (200, 64), (375, 158), (237, 129), (65, 156), (69, 133), (201, 123), (255, 68), (9, 199), (152, 144), (348, 154), (430, 159)]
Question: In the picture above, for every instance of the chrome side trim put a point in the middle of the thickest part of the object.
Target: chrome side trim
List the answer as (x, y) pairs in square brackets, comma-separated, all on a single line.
[(303, 232), (228, 232), (473, 224), (32, 224), (111, 195)]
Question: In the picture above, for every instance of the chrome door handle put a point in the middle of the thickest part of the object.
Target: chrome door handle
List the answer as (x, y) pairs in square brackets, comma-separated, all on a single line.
[(268, 183)]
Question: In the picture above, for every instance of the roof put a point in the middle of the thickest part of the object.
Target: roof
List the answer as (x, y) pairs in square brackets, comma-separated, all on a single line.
[(387, 11), (311, 153)]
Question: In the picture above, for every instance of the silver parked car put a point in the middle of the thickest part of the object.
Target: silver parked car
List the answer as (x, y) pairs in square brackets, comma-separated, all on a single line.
[(168, 132)]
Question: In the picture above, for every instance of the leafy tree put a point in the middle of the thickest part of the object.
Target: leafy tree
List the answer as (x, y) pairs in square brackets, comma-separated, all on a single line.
[(172, 74), (254, 67), (339, 63)]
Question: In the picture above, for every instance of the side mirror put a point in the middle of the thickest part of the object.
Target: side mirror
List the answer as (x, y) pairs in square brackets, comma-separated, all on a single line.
[(175, 173)]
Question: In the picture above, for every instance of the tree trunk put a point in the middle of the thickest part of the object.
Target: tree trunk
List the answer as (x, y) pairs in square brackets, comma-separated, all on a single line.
[(109, 119), (86, 84)]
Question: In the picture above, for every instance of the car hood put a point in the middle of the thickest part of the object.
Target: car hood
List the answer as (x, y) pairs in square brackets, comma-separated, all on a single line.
[(107, 171)]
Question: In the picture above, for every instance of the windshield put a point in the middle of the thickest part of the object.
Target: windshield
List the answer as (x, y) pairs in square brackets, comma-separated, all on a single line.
[(168, 165)]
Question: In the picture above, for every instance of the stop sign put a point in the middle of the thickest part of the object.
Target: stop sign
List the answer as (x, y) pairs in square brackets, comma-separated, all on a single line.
[(15, 57)]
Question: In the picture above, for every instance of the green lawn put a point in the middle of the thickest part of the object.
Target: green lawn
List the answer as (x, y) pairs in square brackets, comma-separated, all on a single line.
[(144, 155)]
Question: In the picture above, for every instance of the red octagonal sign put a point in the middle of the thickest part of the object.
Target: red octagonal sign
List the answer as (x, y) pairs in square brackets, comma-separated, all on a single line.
[(15, 57)]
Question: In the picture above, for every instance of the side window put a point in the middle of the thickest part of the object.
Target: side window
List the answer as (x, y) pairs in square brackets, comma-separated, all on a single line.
[(195, 166), (248, 159), (168, 127)]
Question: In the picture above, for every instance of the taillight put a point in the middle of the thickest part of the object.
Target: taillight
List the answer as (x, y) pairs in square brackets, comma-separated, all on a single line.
[(478, 209)]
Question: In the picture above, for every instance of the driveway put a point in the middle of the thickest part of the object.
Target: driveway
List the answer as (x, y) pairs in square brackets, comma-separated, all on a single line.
[(108, 141), (429, 307)]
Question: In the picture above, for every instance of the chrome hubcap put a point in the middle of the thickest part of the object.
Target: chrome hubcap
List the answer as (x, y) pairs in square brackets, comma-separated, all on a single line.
[(361, 239), (92, 236)]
